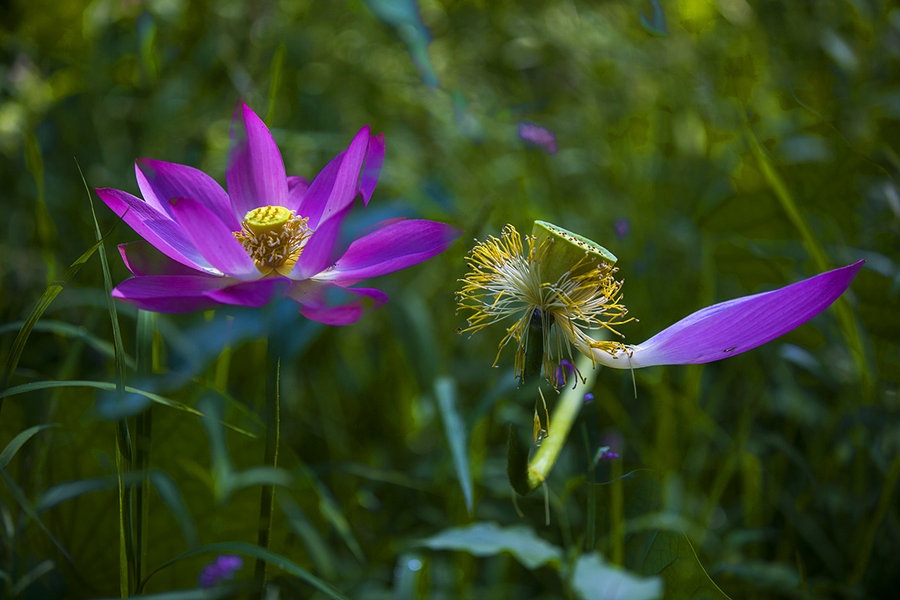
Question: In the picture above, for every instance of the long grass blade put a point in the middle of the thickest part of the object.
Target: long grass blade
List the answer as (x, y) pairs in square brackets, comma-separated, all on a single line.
[(262, 554)]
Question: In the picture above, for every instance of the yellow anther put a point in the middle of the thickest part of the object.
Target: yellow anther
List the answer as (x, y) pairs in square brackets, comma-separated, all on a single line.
[(274, 238)]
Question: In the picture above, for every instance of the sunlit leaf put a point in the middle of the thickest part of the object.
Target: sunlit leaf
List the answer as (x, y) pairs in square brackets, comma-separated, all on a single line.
[(595, 579), (490, 539)]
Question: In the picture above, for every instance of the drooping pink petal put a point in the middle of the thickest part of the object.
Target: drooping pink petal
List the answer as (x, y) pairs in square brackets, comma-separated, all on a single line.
[(155, 227), (319, 252), (726, 329), (143, 259), (255, 174), (213, 239), (170, 293), (297, 187), (336, 186), (333, 305), (391, 248), (372, 167), (251, 293), (161, 181)]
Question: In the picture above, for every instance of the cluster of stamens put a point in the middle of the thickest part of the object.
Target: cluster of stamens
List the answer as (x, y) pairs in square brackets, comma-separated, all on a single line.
[(505, 280), (274, 238)]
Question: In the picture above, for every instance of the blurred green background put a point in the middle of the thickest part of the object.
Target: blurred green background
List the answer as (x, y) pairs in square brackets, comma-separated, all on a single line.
[(718, 148)]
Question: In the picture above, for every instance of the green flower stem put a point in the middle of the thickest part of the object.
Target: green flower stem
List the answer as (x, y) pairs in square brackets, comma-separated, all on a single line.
[(563, 417), (144, 359), (272, 418)]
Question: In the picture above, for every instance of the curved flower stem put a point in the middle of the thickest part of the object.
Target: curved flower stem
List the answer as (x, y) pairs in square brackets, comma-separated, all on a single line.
[(567, 409)]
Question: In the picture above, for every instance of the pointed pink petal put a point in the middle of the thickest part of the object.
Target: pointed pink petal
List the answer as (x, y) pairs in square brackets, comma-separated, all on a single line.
[(372, 168), (213, 239), (143, 259), (297, 187), (333, 305), (319, 252), (255, 174), (251, 293), (726, 329), (155, 227), (391, 248), (337, 185), (161, 181), (170, 293)]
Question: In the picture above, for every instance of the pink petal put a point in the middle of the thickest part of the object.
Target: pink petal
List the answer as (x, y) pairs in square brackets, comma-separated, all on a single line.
[(143, 259), (251, 293), (155, 227), (297, 187), (729, 328), (319, 254), (255, 174), (333, 305), (372, 168), (337, 185), (170, 293), (161, 181), (213, 239), (393, 247)]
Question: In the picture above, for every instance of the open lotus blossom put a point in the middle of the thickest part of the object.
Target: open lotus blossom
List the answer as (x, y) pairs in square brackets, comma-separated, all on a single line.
[(566, 281), (269, 236)]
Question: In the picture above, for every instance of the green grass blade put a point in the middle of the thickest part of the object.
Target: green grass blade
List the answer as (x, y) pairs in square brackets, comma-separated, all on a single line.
[(31, 511), (107, 386), (261, 553), (17, 442), (52, 291), (455, 429), (63, 329)]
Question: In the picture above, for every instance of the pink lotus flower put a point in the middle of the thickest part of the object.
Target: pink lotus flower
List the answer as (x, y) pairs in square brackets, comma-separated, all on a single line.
[(269, 236)]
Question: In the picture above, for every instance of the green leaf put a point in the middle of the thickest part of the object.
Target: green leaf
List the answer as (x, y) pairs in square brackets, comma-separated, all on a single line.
[(255, 551), (17, 442), (671, 555), (445, 391), (489, 539), (594, 578)]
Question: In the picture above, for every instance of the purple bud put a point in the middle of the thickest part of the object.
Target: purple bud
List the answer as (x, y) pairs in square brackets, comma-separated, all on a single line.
[(588, 398), (539, 136), (224, 567)]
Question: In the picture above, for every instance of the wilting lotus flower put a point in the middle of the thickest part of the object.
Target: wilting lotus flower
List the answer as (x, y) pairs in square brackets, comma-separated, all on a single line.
[(567, 282), (269, 236)]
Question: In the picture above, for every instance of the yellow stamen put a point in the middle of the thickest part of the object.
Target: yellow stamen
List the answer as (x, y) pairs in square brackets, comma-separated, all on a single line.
[(505, 280), (274, 238)]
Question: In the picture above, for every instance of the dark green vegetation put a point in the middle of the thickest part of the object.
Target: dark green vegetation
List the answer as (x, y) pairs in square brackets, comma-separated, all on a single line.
[(717, 148)]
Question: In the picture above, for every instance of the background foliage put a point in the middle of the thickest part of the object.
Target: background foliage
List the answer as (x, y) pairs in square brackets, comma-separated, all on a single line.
[(719, 148)]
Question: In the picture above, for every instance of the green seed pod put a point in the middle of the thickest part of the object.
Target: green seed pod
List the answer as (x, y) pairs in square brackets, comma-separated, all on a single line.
[(567, 252)]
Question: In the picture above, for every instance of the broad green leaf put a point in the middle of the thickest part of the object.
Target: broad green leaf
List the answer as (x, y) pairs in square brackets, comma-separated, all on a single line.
[(489, 539), (445, 391), (270, 557), (671, 555), (595, 578)]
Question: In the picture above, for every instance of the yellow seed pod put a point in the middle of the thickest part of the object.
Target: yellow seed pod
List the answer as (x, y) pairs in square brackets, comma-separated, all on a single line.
[(267, 218)]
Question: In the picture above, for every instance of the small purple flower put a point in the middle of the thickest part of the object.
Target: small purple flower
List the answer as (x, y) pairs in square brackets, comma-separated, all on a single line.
[(622, 227), (588, 398), (539, 136), (269, 236), (224, 567), (604, 453)]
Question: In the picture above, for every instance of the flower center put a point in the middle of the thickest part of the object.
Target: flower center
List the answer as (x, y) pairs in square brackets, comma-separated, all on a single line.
[(274, 238)]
